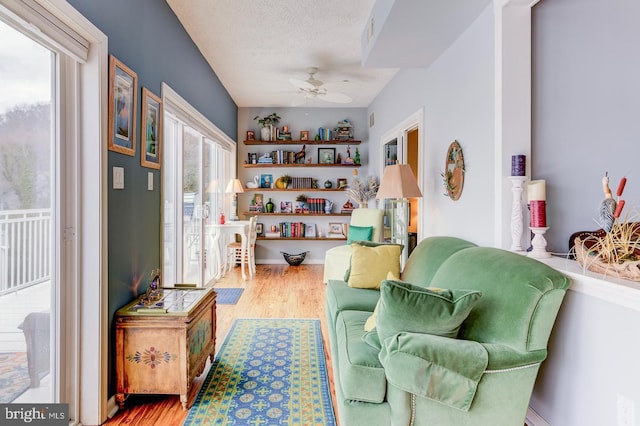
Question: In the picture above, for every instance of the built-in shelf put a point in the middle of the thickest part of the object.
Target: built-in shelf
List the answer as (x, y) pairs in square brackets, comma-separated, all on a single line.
[(292, 142), (294, 189), (304, 238), (295, 214), (274, 165)]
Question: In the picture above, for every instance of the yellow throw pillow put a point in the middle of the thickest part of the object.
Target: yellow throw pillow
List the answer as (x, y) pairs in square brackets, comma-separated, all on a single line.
[(371, 321), (370, 265)]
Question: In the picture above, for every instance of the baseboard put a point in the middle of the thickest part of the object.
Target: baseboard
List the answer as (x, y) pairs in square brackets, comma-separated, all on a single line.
[(112, 407), (281, 261), (534, 419)]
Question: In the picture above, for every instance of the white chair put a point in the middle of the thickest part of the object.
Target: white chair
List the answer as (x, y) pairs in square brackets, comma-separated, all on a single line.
[(234, 250), (337, 259)]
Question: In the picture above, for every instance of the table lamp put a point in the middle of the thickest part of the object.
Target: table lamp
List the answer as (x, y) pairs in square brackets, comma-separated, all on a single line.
[(398, 183), (234, 187)]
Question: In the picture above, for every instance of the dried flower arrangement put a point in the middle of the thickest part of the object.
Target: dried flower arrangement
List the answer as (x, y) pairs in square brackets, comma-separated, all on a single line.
[(615, 249), (362, 190)]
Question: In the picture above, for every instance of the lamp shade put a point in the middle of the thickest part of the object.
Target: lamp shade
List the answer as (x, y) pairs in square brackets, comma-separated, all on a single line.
[(234, 186), (398, 181)]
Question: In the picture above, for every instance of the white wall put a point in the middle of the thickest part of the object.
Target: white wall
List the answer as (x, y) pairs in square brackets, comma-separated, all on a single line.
[(457, 93), (301, 118), (594, 350)]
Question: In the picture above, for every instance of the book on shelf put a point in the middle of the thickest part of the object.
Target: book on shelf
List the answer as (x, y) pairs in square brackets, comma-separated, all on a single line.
[(292, 229), (316, 205)]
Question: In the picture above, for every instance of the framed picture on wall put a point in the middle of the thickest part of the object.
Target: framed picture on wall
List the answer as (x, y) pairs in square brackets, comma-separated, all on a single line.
[(123, 89), (151, 129)]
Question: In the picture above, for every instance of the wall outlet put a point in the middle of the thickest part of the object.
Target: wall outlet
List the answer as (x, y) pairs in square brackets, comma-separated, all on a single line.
[(626, 411)]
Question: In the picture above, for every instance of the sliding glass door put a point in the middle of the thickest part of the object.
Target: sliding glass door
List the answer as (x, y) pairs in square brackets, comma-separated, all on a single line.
[(194, 178)]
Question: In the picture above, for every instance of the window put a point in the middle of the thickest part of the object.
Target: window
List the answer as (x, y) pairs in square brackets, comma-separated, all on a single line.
[(76, 76), (77, 73), (199, 162)]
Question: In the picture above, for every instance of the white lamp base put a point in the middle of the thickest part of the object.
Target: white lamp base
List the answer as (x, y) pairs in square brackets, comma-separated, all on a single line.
[(539, 244)]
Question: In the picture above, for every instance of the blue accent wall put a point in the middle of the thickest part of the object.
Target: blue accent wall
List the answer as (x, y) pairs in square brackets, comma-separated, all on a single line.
[(148, 38)]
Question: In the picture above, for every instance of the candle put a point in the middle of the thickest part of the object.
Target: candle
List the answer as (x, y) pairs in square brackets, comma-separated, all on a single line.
[(518, 165), (536, 190), (538, 212)]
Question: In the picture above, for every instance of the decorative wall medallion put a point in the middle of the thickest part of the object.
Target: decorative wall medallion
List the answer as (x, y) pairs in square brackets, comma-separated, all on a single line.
[(453, 175), (152, 357)]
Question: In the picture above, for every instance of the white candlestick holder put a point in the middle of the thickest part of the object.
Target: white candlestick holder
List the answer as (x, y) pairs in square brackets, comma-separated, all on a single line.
[(539, 243), (517, 224)]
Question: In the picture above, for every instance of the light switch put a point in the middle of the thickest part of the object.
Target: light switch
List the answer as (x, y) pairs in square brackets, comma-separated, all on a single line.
[(150, 181), (118, 178)]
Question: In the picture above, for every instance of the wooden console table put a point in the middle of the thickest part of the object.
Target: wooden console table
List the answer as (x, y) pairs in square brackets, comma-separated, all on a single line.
[(161, 346)]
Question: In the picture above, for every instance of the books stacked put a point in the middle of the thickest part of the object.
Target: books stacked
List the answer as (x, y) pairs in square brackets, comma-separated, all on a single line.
[(292, 229), (316, 205), (301, 183)]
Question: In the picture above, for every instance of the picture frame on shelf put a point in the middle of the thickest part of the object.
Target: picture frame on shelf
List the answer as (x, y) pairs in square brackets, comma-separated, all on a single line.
[(326, 155), (335, 229), (258, 203), (345, 229), (310, 230), (342, 183), (304, 135), (266, 180), (259, 229), (123, 91), (286, 207), (151, 143), (251, 135)]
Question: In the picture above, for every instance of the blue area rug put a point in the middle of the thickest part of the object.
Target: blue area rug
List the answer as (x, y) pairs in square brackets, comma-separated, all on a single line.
[(228, 296), (268, 372), (14, 376)]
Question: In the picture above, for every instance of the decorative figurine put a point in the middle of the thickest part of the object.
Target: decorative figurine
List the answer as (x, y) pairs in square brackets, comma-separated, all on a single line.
[(328, 205)]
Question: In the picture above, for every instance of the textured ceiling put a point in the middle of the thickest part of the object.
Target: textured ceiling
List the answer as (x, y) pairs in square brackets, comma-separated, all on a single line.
[(256, 46)]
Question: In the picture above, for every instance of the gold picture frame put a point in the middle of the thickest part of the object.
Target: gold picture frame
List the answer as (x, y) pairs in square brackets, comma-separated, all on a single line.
[(123, 92), (335, 228), (151, 134)]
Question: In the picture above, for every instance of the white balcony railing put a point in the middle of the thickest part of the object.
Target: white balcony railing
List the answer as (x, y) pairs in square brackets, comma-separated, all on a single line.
[(25, 248)]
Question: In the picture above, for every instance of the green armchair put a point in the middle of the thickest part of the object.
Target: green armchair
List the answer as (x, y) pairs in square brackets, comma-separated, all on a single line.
[(414, 374)]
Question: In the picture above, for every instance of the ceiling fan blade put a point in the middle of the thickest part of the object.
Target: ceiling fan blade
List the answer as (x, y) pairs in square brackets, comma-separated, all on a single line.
[(336, 97), (301, 84)]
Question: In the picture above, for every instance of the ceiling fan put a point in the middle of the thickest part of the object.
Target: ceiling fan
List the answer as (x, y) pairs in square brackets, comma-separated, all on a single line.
[(312, 88)]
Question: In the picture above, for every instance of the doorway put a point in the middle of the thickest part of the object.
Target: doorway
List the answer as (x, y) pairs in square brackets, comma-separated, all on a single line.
[(404, 144)]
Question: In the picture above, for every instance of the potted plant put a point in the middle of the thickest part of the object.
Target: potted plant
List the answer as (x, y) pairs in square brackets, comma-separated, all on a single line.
[(286, 180), (267, 122), (302, 203)]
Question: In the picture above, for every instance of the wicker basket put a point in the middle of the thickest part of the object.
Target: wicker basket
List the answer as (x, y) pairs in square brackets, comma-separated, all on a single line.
[(294, 259)]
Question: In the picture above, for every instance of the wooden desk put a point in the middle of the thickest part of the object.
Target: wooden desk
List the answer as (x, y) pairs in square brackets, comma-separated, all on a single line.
[(161, 347)]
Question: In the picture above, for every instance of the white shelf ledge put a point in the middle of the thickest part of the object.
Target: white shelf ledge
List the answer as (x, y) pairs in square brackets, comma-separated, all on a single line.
[(620, 292)]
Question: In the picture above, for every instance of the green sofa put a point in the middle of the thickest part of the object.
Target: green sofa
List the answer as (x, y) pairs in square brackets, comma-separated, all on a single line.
[(484, 376)]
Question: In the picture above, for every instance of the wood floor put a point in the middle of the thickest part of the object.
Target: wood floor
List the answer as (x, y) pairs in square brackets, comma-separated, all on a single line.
[(277, 291)]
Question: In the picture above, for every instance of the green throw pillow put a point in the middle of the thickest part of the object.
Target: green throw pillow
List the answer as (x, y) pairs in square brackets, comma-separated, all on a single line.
[(359, 233), (406, 307), (368, 244)]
